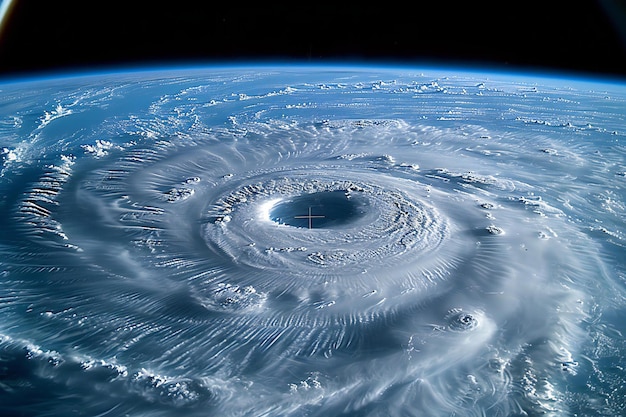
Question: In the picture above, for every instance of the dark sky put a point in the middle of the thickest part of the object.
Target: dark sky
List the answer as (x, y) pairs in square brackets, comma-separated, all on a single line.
[(586, 36)]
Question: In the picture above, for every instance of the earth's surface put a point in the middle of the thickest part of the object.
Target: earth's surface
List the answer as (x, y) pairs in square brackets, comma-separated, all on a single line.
[(312, 241)]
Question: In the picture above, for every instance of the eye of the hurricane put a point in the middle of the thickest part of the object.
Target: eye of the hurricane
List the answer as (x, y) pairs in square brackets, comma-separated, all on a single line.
[(319, 210)]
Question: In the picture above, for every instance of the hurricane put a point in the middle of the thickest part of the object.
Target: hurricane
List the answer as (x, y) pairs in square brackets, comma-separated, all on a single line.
[(312, 241)]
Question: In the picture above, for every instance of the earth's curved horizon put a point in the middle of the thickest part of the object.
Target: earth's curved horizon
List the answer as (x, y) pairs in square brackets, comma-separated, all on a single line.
[(312, 240), (484, 68)]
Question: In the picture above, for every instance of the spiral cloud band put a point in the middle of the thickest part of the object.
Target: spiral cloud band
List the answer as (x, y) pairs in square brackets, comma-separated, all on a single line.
[(312, 241)]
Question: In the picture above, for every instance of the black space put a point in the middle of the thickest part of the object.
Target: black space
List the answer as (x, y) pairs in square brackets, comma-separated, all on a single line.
[(578, 36)]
